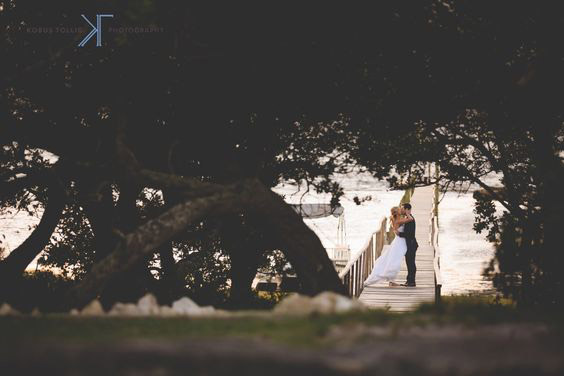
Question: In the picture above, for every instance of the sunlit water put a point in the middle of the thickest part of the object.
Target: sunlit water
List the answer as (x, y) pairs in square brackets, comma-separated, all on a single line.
[(360, 220), (15, 227), (464, 253)]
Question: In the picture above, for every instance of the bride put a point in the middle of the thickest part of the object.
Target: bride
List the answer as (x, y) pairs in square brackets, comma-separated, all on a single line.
[(388, 265)]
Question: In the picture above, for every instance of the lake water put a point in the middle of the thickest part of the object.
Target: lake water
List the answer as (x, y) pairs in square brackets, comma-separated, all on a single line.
[(360, 220), (15, 227), (464, 253)]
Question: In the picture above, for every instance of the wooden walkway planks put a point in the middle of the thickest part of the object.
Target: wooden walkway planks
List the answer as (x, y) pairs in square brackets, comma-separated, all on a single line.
[(402, 299)]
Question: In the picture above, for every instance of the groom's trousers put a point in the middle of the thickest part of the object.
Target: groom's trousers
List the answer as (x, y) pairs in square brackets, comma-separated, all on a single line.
[(410, 262)]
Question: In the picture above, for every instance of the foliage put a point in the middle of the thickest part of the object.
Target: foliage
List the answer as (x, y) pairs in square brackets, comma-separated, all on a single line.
[(274, 263), (204, 269), (71, 247), (499, 130), (43, 290), (474, 310), (461, 85)]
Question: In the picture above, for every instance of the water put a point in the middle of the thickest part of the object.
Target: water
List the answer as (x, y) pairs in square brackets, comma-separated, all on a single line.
[(360, 220), (464, 253), (14, 229)]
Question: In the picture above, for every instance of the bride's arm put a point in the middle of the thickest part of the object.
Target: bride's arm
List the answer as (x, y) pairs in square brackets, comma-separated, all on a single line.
[(401, 221), (394, 227)]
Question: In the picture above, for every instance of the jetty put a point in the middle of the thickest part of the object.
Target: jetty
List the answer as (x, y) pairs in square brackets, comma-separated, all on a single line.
[(428, 276)]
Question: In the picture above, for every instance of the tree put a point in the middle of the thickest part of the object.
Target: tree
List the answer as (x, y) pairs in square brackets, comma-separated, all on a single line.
[(500, 83), (221, 106), (212, 111)]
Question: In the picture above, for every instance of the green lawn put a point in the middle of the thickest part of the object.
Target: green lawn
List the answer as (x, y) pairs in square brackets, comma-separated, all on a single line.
[(306, 331)]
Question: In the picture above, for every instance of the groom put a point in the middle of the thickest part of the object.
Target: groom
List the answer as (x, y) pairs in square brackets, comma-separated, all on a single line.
[(409, 235)]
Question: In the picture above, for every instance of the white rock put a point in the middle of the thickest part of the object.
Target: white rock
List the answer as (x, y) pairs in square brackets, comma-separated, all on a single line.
[(185, 306), (335, 303), (294, 304), (325, 302), (35, 312), (148, 305), (94, 308), (74, 312), (125, 309), (7, 310)]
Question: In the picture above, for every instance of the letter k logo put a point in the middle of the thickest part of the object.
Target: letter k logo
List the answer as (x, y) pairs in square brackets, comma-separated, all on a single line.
[(96, 30)]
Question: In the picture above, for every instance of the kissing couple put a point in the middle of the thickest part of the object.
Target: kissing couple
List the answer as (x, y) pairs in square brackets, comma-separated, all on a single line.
[(388, 265)]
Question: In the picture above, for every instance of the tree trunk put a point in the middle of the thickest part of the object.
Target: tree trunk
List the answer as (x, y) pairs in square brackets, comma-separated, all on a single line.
[(13, 266), (244, 264), (299, 243), (550, 178), (245, 246), (170, 286), (137, 280), (302, 247), (99, 208)]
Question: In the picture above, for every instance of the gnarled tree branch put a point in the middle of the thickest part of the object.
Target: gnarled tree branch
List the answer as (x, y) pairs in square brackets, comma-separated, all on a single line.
[(14, 265), (301, 246)]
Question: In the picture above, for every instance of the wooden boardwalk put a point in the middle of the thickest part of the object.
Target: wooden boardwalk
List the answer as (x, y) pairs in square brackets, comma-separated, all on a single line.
[(401, 299)]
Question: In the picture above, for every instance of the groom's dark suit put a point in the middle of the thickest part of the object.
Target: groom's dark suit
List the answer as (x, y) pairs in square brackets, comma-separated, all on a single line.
[(409, 235)]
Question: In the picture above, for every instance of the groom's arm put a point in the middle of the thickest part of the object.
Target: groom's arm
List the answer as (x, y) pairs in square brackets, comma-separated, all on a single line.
[(409, 232)]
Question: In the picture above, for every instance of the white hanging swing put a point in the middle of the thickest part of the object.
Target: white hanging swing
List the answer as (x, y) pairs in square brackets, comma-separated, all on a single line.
[(340, 253)]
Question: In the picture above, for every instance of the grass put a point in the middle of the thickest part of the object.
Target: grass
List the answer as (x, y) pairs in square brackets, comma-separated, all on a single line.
[(477, 310), (307, 331)]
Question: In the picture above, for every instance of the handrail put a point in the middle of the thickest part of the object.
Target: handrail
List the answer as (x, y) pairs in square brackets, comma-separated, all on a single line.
[(434, 240), (358, 269)]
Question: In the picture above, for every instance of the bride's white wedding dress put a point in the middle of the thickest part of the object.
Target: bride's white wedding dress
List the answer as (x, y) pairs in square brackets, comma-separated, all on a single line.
[(388, 265)]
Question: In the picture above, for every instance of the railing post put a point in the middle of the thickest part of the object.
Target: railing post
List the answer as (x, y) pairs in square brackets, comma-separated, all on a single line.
[(434, 238), (356, 271), (351, 277), (374, 247), (357, 277), (436, 196)]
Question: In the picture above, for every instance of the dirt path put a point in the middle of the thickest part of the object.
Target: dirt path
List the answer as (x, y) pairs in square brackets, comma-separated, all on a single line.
[(516, 349)]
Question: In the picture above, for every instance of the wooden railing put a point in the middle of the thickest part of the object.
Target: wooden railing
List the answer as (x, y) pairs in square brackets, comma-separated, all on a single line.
[(358, 269), (434, 240), (339, 253)]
